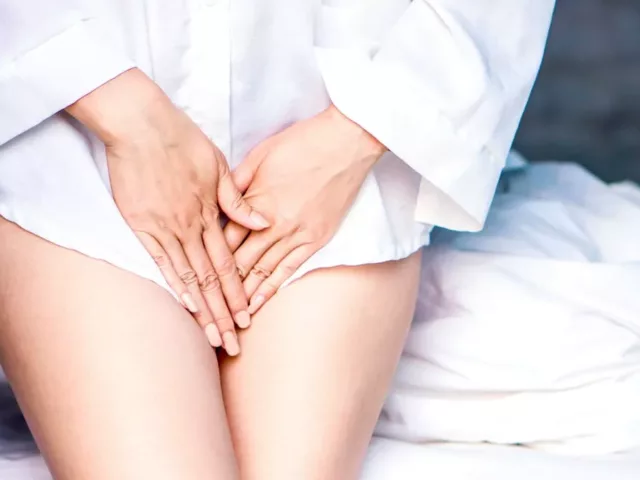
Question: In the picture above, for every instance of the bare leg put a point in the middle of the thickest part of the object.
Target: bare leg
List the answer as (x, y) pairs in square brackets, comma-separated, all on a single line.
[(115, 379), (304, 396)]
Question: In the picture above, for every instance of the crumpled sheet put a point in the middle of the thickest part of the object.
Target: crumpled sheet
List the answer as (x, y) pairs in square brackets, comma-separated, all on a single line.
[(525, 335), (528, 333)]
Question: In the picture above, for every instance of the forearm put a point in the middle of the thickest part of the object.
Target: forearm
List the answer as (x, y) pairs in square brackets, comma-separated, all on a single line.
[(121, 107)]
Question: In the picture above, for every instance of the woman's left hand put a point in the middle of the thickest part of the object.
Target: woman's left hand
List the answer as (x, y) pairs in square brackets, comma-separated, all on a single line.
[(303, 180)]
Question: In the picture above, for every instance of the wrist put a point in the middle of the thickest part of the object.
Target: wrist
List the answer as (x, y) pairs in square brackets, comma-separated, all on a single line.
[(120, 108), (367, 144)]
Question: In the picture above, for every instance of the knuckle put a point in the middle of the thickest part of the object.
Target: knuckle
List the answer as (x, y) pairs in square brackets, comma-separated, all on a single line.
[(224, 324), (313, 234), (210, 282), (306, 232), (271, 285), (180, 221), (287, 270), (270, 288), (177, 230), (183, 234), (161, 260), (155, 222), (189, 277), (241, 272), (227, 267), (238, 201), (210, 217), (260, 272)]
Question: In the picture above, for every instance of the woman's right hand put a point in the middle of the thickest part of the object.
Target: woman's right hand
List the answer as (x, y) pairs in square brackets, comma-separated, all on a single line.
[(170, 183)]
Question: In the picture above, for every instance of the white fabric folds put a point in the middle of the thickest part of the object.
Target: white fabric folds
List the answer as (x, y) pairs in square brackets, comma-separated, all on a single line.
[(529, 332)]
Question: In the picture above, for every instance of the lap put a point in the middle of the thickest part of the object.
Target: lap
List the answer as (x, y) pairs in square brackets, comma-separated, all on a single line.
[(117, 381), (304, 396)]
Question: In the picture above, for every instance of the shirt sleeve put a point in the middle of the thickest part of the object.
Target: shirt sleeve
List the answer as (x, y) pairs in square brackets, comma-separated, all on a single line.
[(444, 90), (51, 54)]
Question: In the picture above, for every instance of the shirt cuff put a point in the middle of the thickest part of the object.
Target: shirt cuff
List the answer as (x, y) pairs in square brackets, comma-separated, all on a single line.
[(52, 76), (459, 175)]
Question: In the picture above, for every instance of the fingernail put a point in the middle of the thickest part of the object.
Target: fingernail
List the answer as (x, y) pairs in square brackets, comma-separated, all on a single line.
[(259, 220), (243, 319), (256, 303), (189, 302), (231, 344), (213, 335)]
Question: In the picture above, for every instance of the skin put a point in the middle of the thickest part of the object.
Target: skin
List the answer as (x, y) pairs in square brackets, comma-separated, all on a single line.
[(114, 377), (303, 398), (304, 201), (170, 184), (117, 381)]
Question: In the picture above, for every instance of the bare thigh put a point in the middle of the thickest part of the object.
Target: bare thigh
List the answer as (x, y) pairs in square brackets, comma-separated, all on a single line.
[(304, 396), (115, 379)]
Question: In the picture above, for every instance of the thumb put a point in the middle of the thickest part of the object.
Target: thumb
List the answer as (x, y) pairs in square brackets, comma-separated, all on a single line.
[(243, 174), (233, 204)]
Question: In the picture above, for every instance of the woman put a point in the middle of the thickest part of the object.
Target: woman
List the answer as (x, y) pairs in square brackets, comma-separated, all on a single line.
[(351, 128)]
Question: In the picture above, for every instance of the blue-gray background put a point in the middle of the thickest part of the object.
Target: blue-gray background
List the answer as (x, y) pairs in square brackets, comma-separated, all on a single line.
[(586, 104)]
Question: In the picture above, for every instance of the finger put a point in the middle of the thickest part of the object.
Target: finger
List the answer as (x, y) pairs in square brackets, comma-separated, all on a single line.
[(242, 177), (243, 174), (236, 207), (268, 262), (168, 272), (209, 285), (252, 249), (234, 235), (187, 275), (225, 266), (283, 272)]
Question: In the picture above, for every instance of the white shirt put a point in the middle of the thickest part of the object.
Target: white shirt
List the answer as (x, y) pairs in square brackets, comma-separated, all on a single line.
[(442, 83)]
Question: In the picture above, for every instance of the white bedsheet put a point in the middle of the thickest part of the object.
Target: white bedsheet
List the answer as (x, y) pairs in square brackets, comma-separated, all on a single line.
[(527, 333), (394, 460)]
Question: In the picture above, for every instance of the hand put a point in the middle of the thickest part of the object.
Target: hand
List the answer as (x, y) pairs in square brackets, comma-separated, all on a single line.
[(303, 180), (168, 180)]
